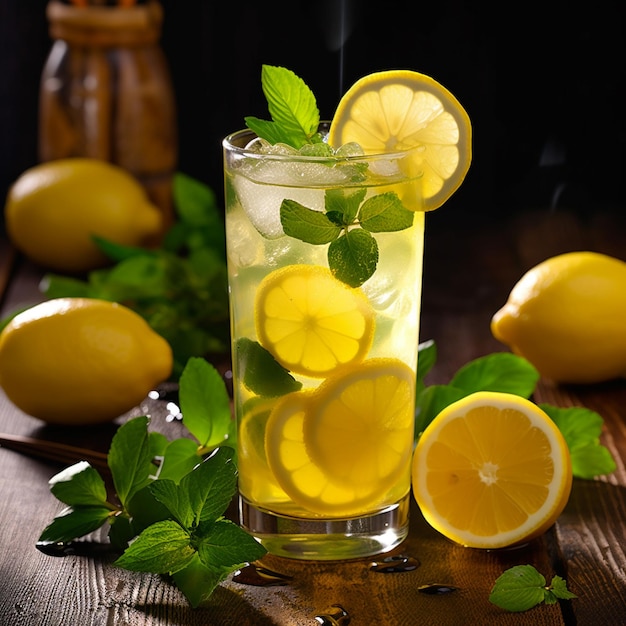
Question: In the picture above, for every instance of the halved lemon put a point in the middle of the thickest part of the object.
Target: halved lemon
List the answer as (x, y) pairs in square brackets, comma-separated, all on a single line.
[(345, 448), (491, 470), (397, 110), (311, 322)]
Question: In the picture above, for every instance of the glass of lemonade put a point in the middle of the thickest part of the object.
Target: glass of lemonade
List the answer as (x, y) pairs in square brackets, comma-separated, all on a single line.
[(325, 264)]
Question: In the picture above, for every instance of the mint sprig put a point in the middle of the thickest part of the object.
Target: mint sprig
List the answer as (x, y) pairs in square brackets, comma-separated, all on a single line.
[(292, 106), (170, 497), (347, 225), (522, 587), (508, 373)]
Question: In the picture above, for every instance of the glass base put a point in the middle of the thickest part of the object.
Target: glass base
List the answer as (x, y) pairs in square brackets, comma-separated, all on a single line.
[(327, 540)]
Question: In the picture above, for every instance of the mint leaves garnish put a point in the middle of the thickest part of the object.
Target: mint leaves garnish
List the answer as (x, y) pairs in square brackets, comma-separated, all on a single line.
[(349, 220), (522, 587), (292, 106), (509, 373), (171, 497), (347, 225)]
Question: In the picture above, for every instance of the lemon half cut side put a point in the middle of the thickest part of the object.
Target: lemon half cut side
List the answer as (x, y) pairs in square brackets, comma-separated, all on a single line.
[(397, 110), (492, 470)]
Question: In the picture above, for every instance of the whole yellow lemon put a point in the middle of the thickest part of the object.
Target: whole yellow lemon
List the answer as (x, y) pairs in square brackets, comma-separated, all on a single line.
[(80, 360), (53, 210), (567, 316)]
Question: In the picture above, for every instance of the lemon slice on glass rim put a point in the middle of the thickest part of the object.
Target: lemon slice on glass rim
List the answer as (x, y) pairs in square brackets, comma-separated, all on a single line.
[(492, 470), (397, 110)]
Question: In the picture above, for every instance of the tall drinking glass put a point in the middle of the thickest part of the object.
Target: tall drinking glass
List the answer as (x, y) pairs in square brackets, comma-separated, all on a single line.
[(325, 264)]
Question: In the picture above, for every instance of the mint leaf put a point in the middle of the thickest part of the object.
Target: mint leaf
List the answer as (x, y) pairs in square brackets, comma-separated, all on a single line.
[(162, 548), (500, 371), (306, 224), (79, 485), (292, 106), (179, 458), (260, 372), (344, 203), (211, 486), (197, 581), (204, 403), (353, 257), (71, 523), (427, 357), (431, 401), (581, 429), (130, 458), (559, 589), (175, 500), (522, 587), (385, 213), (224, 544)]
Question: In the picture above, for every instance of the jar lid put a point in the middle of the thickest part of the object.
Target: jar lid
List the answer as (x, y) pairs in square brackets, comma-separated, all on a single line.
[(105, 26)]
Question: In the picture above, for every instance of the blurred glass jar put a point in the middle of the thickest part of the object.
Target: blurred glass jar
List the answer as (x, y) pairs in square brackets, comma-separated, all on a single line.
[(106, 93)]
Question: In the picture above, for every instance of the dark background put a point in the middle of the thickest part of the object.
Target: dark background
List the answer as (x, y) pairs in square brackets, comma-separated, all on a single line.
[(544, 84)]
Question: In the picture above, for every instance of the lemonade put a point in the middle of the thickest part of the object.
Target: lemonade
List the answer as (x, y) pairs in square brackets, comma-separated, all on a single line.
[(325, 247)]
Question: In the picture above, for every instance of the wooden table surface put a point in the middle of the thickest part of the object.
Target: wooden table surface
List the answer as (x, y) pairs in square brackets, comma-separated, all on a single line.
[(468, 274)]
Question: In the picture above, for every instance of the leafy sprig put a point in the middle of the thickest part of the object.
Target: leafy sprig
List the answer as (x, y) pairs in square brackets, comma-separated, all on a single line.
[(522, 587), (347, 225), (509, 373), (170, 497), (292, 107)]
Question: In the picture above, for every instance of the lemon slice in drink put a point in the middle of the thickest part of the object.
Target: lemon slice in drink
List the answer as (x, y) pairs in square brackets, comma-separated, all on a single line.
[(491, 470), (344, 448), (311, 322), (397, 110)]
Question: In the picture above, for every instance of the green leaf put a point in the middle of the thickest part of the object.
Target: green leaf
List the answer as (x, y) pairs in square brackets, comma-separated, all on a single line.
[(353, 257), (210, 487), (260, 372), (174, 499), (181, 456), (518, 589), (427, 357), (500, 371), (55, 286), (292, 107), (117, 251), (522, 587), (307, 225), (130, 459), (581, 429), (144, 509), (204, 402), (196, 203), (79, 485), (385, 213), (560, 590), (197, 581), (270, 131), (345, 203), (163, 548), (430, 402), (223, 544), (72, 523)]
